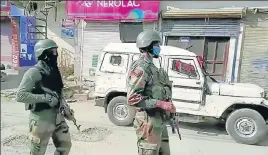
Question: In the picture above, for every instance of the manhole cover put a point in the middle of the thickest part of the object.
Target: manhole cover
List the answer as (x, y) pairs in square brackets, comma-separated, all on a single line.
[(91, 134), (16, 140)]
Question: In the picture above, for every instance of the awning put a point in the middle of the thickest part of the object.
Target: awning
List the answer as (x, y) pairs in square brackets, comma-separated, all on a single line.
[(16, 11), (204, 13)]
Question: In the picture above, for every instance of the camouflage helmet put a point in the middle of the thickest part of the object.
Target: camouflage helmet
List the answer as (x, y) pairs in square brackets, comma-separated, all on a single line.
[(43, 45), (145, 38)]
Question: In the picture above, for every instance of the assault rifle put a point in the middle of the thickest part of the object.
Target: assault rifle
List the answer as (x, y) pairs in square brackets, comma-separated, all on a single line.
[(64, 108), (174, 123), (68, 113)]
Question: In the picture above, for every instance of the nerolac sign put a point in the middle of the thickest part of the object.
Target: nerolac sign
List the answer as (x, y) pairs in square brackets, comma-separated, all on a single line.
[(113, 10)]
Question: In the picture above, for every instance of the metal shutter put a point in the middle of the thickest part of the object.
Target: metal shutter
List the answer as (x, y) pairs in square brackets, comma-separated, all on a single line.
[(149, 26), (96, 37), (201, 27), (6, 46)]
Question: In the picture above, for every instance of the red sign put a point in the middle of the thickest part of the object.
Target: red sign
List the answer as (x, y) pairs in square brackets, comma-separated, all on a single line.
[(15, 45), (183, 68)]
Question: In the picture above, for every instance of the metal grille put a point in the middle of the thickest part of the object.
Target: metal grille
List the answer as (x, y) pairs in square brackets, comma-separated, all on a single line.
[(200, 27)]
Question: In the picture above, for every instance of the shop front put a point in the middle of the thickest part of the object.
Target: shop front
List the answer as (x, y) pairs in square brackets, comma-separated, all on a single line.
[(211, 33), (110, 21), (6, 36)]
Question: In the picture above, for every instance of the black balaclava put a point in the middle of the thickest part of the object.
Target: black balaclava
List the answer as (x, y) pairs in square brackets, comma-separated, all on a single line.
[(49, 58)]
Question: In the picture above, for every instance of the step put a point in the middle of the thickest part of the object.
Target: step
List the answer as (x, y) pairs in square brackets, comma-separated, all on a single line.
[(39, 26), (37, 32), (49, 7), (42, 19), (53, 4), (44, 12), (36, 39)]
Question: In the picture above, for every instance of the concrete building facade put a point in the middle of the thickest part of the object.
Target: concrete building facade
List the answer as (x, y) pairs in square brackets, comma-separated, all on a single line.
[(234, 46)]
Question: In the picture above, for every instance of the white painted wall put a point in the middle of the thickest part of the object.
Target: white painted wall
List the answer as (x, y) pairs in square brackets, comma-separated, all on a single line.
[(61, 43)]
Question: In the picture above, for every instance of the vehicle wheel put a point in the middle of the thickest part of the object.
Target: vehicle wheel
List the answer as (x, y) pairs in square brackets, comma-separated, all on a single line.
[(246, 126), (119, 112)]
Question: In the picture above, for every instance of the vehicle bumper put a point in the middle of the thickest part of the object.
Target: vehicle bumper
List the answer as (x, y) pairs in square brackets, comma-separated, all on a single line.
[(99, 101)]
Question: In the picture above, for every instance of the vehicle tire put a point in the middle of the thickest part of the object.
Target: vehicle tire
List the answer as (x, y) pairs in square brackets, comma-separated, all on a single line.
[(119, 112), (246, 126)]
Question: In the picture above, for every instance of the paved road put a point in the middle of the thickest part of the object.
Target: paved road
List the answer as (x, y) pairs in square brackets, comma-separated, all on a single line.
[(99, 136)]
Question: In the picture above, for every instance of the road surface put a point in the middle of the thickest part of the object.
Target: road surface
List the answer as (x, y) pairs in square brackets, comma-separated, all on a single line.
[(100, 137)]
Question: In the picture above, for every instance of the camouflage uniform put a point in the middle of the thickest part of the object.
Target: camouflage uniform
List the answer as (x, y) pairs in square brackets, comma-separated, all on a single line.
[(45, 120), (149, 90)]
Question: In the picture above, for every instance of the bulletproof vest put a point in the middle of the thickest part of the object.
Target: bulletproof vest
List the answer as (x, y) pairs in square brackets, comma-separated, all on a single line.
[(158, 87), (51, 81), (161, 86)]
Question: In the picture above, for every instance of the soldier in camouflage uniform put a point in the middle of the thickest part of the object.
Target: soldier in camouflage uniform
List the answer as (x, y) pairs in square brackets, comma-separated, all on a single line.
[(45, 120), (149, 90)]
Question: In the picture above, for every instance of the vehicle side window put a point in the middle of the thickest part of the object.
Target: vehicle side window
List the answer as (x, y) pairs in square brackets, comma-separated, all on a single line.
[(155, 61), (116, 63), (116, 60), (182, 68)]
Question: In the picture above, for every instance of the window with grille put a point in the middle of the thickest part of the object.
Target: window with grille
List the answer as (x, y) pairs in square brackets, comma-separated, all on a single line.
[(115, 63)]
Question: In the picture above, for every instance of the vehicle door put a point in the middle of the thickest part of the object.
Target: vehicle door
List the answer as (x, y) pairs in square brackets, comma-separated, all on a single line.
[(187, 80), (111, 72)]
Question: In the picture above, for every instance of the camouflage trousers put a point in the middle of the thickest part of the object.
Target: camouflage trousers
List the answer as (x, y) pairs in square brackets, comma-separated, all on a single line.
[(42, 130), (152, 135)]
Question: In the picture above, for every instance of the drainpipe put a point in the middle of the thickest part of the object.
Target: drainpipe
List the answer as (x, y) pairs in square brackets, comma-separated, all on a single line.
[(159, 26), (81, 51), (234, 60)]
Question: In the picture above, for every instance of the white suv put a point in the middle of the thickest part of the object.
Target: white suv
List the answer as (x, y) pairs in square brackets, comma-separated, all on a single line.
[(242, 107)]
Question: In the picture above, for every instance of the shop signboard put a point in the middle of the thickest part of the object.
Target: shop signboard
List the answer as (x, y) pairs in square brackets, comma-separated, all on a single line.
[(113, 10), (15, 44), (27, 41), (68, 28)]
